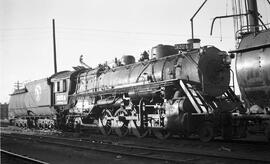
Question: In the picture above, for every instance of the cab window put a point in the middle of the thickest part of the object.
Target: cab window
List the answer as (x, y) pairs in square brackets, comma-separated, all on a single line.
[(64, 85), (58, 86), (55, 87)]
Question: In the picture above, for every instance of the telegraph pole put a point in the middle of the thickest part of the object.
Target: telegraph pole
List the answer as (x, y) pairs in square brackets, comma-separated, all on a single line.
[(54, 48)]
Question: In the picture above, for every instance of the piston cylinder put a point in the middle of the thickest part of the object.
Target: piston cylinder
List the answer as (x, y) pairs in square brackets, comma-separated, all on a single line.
[(176, 114)]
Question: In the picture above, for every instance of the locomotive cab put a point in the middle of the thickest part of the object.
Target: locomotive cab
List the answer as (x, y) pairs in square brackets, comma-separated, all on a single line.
[(63, 84), (61, 87)]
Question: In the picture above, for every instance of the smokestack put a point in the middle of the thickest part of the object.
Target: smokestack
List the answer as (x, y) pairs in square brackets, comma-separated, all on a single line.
[(253, 15)]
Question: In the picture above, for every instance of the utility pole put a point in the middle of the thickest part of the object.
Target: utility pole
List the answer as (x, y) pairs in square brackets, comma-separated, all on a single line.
[(54, 48)]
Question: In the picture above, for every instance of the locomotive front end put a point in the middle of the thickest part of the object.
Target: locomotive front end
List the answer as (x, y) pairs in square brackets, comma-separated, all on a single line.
[(214, 71), (204, 74), (207, 66)]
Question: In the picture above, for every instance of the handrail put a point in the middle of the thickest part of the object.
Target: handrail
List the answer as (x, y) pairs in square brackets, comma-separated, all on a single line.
[(226, 16), (233, 86)]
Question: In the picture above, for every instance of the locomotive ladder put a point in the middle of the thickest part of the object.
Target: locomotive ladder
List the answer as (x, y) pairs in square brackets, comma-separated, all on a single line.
[(230, 95), (196, 99)]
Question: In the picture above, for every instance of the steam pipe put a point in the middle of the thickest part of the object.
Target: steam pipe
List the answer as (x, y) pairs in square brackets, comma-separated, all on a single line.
[(226, 16), (191, 19)]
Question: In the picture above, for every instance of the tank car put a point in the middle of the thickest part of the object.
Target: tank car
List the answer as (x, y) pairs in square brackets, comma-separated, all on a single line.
[(182, 89)]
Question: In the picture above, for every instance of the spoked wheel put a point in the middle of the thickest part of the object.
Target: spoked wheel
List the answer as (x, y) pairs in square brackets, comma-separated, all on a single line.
[(161, 133), (121, 125), (43, 124), (23, 124), (206, 132), (105, 124), (139, 127), (137, 130)]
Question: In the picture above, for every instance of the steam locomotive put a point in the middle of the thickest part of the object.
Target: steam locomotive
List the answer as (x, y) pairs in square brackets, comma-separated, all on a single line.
[(183, 89)]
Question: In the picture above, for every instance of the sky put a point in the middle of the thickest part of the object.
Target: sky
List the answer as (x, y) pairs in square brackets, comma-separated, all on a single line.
[(100, 30)]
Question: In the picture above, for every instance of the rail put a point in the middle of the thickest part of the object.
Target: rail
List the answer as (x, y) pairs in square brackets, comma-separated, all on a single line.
[(23, 158), (154, 153)]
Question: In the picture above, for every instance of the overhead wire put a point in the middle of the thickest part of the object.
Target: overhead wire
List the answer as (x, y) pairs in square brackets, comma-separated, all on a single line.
[(7, 31)]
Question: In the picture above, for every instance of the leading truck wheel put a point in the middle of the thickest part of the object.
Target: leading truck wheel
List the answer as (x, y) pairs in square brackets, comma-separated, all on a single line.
[(206, 132), (105, 123)]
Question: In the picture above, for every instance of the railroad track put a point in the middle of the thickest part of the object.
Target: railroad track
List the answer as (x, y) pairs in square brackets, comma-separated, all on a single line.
[(154, 153), (9, 157)]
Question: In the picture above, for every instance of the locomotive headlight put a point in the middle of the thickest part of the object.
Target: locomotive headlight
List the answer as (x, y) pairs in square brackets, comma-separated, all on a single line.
[(227, 60)]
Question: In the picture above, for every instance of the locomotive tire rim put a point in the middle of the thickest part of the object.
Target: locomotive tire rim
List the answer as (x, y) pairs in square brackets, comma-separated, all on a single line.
[(121, 127), (104, 123)]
